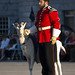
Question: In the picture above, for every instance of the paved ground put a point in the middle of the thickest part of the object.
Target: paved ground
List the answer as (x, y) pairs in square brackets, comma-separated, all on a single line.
[(21, 68)]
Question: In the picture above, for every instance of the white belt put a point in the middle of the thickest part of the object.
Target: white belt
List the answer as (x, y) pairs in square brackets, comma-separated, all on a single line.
[(44, 28)]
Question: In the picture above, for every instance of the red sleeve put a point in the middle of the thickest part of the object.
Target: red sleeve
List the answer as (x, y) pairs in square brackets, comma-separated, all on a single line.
[(54, 19)]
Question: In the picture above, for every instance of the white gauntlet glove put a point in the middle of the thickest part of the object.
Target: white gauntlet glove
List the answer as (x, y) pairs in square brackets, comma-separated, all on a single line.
[(26, 32)]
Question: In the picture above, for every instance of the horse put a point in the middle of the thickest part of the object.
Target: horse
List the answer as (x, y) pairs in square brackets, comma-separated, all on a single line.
[(27, 45)]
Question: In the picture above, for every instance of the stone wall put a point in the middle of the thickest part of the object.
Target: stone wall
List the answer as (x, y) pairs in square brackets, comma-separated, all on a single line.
[(25, 9), (20, 9), (8, 8)]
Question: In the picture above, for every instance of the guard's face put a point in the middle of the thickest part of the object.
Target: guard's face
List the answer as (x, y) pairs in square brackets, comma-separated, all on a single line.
[(41, 3)]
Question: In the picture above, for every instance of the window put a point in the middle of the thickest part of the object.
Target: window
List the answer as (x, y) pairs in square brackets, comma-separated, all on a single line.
[(4, 25), (69, 18)]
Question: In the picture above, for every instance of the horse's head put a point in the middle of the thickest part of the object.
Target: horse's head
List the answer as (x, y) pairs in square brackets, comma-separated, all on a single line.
[(20, 31)]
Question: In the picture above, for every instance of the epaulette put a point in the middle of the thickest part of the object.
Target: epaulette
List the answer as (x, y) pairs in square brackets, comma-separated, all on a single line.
[(51, 9)]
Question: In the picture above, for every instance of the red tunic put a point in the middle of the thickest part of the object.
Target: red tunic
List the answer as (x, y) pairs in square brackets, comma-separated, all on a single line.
[(46, 18)]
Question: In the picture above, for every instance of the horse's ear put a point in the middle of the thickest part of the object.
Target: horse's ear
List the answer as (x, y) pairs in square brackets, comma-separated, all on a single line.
[(25, 24), (15, 26)]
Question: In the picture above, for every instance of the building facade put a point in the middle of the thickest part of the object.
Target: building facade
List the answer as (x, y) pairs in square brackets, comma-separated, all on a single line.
[(19, 10)]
